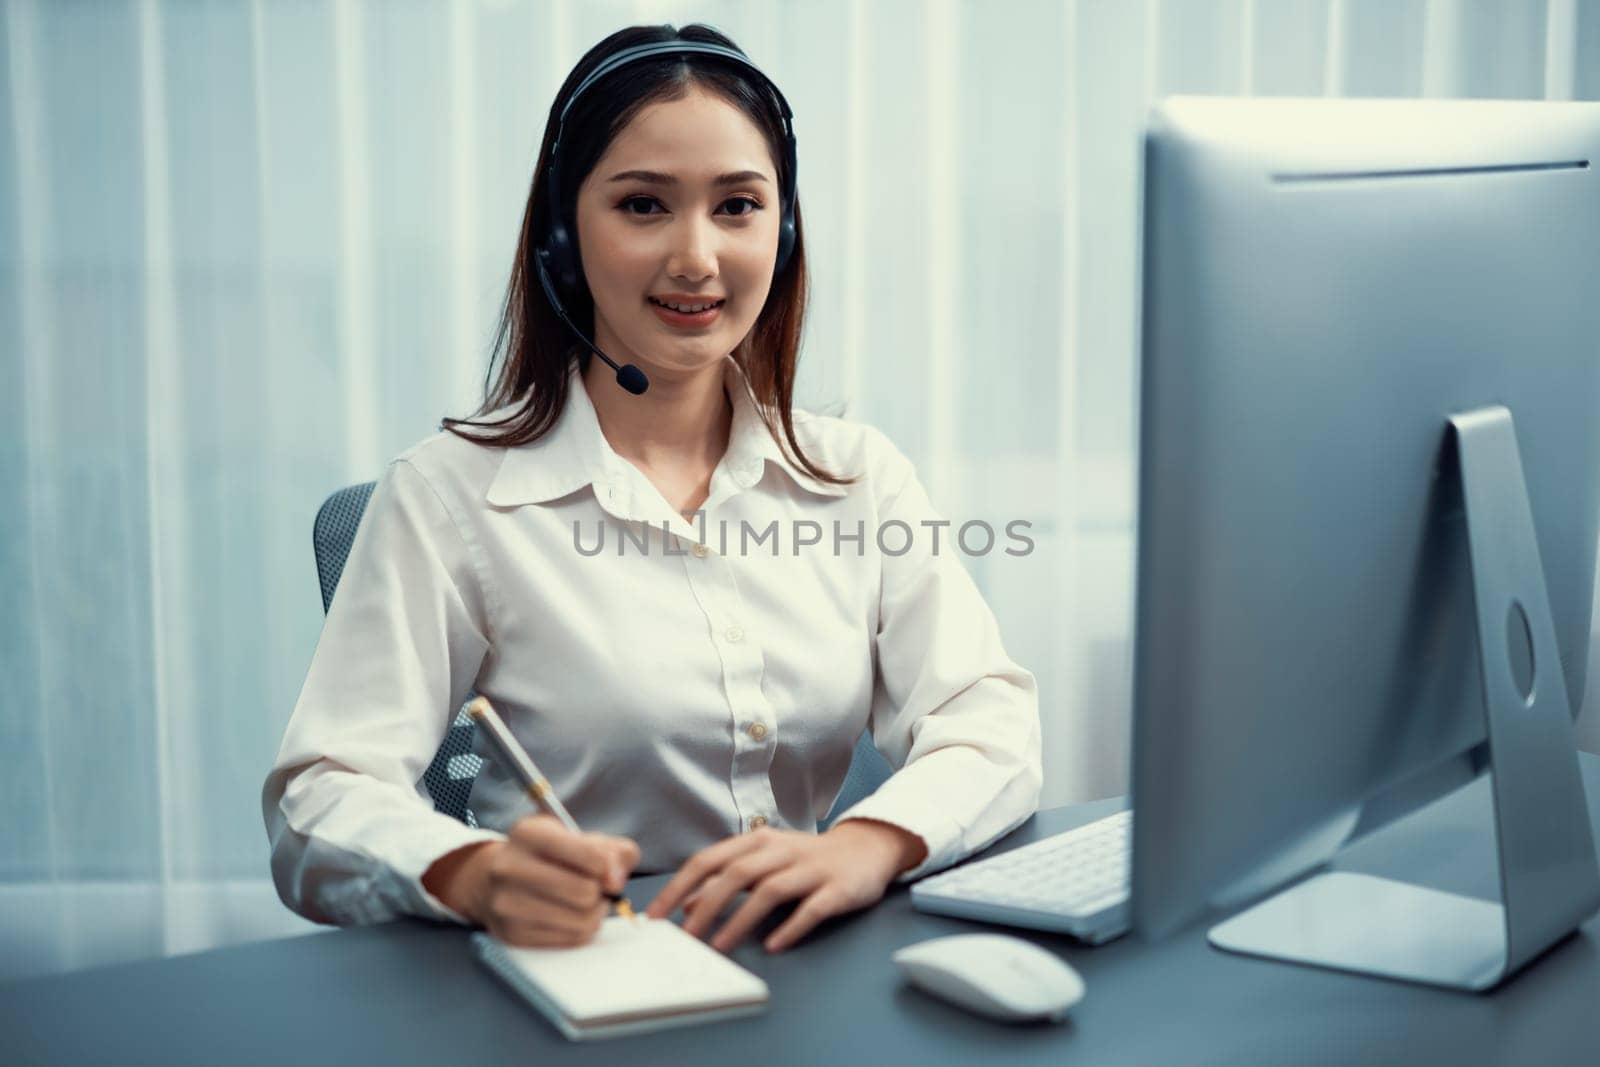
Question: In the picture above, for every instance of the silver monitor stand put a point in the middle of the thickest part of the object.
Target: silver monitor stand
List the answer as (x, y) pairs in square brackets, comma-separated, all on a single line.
[(1549, 882)]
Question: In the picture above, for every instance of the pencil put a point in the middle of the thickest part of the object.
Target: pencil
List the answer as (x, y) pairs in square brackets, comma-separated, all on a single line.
[(516, 760)]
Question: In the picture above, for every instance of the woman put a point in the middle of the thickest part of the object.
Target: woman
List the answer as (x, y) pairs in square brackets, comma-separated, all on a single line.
[(686, 602)]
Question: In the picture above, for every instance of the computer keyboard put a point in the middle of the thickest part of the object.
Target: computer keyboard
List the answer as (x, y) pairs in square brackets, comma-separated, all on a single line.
[(1074, 883)]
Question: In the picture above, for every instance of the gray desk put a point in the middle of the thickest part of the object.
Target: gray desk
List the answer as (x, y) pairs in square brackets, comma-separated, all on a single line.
[(409, 993)]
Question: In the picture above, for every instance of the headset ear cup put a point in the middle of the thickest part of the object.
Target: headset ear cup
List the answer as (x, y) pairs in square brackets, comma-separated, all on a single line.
[(560, 260), (786, 240), (542, 270)]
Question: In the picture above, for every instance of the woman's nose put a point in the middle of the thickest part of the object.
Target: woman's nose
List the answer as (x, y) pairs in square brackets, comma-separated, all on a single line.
[(694, 250)]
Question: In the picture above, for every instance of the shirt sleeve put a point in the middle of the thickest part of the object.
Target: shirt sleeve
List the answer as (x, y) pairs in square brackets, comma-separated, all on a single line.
[(950, 709), (351, 830)]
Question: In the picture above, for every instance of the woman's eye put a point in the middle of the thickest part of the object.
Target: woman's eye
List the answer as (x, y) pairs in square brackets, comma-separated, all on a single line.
[(642, 205)]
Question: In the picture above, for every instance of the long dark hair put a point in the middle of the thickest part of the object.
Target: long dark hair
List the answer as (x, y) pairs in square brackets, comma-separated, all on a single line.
[(533, 351)]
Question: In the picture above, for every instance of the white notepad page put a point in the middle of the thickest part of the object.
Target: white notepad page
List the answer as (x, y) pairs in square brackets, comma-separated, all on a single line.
[(636, 966)]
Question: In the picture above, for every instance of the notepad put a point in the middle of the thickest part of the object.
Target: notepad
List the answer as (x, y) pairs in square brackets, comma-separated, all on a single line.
[(635, 976)]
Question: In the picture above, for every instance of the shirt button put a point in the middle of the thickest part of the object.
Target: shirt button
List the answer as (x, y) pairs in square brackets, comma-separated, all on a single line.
[(756, 731), (734, 634), (757, 821), (701, 551)]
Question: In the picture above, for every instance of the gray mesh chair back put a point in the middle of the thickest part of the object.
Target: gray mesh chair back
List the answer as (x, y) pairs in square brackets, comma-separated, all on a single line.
[(334, 531), (449, 777)]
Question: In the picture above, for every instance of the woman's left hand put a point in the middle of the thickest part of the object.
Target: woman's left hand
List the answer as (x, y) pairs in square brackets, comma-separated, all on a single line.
[(844, 869)]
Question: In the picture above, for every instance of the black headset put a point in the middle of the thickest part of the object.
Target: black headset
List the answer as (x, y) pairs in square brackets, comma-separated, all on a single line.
[(556, 260)]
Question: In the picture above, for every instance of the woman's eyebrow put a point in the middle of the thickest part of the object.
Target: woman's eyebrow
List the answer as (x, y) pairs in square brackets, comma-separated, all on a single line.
[(657, 178)]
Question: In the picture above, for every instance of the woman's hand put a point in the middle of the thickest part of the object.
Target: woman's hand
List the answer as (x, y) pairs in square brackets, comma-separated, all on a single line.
[(844, 869), (541, 886)]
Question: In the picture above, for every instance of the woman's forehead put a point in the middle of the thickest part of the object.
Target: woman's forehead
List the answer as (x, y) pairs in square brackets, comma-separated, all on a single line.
[(693, 139)]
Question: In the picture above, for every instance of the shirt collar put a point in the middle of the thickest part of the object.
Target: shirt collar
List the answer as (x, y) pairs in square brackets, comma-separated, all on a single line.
[(575, 453)]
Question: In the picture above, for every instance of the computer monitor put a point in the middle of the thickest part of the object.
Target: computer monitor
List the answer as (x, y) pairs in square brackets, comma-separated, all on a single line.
[(1369, 447)]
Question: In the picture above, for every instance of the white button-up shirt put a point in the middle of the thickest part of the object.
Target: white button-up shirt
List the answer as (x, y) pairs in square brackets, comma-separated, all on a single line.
[(676, 681)]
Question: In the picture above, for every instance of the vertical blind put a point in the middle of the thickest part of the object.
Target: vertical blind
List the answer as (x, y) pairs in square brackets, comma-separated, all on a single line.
[(250, 251)]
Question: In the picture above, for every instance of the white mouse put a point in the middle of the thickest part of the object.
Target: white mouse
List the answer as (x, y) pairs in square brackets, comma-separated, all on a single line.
[(1002, 977)]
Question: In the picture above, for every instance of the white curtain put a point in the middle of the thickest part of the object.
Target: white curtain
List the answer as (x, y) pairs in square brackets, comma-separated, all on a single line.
[(252, 250)]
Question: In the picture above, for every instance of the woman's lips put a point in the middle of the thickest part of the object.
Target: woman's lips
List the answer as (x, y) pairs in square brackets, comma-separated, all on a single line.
[(683, 320)]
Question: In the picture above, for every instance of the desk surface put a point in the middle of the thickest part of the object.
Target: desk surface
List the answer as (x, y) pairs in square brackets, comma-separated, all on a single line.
[(410, 993)]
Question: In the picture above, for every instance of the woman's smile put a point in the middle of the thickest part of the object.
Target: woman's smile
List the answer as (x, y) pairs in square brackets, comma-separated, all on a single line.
[(684, 313)]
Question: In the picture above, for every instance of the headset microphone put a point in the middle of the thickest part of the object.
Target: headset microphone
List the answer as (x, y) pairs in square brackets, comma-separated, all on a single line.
[(629, 377)]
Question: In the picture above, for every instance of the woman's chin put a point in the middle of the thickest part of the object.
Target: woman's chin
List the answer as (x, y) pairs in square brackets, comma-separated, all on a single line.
[(683, 360)]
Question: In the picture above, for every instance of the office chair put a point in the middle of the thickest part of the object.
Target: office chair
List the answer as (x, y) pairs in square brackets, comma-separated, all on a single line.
[(449, 777)]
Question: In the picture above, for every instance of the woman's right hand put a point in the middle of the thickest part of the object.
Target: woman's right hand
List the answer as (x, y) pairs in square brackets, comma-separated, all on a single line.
[(541, 886)]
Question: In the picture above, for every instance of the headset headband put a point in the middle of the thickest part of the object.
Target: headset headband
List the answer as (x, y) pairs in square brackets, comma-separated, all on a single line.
[(667, 48)]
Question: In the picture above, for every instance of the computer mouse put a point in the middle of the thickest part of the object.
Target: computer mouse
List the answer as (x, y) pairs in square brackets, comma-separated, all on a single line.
[(994, 975)]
